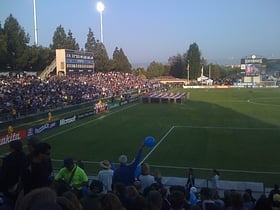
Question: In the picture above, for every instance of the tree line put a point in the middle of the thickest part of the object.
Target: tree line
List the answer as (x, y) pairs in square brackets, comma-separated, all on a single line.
[(17, 55)]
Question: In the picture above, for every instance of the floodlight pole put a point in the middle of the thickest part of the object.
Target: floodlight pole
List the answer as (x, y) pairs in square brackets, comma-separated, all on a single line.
[(35, 23), (100, 8), (101, 28), (188, 71)]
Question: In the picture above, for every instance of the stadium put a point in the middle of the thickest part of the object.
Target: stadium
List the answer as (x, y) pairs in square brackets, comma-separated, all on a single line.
[(234, 130), (230, 128)]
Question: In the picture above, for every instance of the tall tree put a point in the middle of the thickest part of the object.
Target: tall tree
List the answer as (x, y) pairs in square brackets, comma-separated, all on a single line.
[(101, 59), (3, 48), (38, 58), (194, 61), (121, 61), (16, 43), (71, 42), (177, 66), (91, 42), (155, 69), (59, 39)]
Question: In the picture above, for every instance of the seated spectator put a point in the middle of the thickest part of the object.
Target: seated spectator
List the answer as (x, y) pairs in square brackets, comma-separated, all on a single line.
[(37, 197), (120, 190), (237, 202), (263, 203), (110, 201), (274, 191), (90, 201), (154, 200), (247, 201), (65, 203), (139, 203), (73, 199), (177, 200), (193, 196), (207, 203)]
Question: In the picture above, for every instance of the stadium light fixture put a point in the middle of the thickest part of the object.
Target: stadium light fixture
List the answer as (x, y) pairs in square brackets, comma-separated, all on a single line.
[(100, 8)]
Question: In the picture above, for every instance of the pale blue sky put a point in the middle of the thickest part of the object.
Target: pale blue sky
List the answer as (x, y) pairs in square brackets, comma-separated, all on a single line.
[(154, 30)]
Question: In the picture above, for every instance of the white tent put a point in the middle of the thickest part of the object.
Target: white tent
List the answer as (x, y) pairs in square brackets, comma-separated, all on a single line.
[(202, 78)]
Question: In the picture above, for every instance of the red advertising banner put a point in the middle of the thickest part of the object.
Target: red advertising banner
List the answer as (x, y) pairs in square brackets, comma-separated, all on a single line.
[(19, 135)]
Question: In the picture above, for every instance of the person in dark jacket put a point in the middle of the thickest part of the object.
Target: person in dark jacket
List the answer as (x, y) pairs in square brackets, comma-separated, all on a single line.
[(36, 172), (11, 171)]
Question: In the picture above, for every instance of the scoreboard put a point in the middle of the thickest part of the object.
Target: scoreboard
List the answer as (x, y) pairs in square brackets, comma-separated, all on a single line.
[(253, 66), (74, 62)]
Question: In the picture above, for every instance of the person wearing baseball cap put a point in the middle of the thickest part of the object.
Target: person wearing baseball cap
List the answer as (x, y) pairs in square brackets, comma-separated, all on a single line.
[(72, 175)]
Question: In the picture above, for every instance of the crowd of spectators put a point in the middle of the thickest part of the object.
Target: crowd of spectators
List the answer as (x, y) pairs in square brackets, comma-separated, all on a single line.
[(26, 184), (29, 95)]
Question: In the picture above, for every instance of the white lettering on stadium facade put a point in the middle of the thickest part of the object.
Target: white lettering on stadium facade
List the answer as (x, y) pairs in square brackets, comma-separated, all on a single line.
[(253, 61)]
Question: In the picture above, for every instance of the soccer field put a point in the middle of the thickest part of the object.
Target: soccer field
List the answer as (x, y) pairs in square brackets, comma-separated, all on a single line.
[(234, 130)]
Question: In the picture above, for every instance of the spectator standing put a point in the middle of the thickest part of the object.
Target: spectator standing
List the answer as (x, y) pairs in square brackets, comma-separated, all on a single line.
[(11, 171), (190, 179), (71, 176), (125, 173), (36, 172), (106, 175), (32, 142), (250, 193), (215, 179), (158, 177), (145, 177)]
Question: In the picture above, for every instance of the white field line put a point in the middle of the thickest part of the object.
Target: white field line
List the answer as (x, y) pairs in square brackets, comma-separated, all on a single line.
[(159, 142), (226, 128), (208, 169), (164, 137), (262, 104), (203, 169)]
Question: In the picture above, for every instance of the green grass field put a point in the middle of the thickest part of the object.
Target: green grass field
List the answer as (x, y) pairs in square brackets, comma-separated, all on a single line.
[(234, 130)]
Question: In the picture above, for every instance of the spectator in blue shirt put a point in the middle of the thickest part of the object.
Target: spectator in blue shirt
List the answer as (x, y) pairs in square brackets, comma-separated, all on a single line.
[(125, 173)]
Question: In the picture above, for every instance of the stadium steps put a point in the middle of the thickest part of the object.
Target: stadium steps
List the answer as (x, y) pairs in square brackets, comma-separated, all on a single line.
[(45, 73)]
